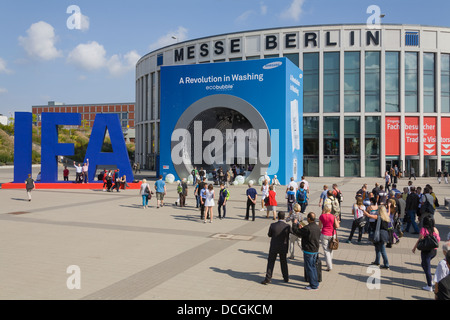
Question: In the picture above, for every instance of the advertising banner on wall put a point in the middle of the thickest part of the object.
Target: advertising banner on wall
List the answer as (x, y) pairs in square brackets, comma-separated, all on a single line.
[(411, 136), (392, 131), (429, 136), (245, 114), (445, 136)]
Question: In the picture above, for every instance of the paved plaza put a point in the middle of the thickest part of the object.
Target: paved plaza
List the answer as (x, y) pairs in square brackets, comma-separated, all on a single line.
[(126, 252)]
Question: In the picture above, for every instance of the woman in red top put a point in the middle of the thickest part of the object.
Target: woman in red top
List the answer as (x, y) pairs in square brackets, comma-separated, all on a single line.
[(328, 223), (271, 205)]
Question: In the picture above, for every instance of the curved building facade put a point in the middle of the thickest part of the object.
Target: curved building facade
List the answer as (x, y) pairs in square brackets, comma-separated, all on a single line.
[(373, 98)]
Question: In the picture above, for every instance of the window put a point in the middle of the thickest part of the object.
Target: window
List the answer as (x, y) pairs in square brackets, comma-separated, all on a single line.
[(311, 146), (372, 147), (372, 79), (445, 83), (352, 139), (352, 82), (293, 57), (392, 82), (428, 83), (331, 83), (331, 147), (311, 82), (411, 80)]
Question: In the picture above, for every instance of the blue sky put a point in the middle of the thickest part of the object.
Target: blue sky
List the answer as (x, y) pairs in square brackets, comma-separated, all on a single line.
[(42, 59)]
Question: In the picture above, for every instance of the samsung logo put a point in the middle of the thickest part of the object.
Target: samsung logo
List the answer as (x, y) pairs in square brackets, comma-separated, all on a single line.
[(272, 65)]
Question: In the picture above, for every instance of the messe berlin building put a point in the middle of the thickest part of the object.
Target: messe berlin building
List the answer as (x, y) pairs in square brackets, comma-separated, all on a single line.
[(373, 98)]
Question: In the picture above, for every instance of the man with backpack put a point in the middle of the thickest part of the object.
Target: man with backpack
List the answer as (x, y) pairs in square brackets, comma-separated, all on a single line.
[(334, 203), (302, 197)]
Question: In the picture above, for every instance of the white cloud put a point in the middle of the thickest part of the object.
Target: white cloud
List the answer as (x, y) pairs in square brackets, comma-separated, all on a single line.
[(88, 56), (92, 56), (117, 65), (169, 38), (245, 16), (263, 9), (3, 91), (3, 67), (40, 41), (294, 11)]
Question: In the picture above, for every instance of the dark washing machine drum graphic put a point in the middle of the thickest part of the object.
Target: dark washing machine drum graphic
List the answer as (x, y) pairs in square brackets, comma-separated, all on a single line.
[(229, 115)]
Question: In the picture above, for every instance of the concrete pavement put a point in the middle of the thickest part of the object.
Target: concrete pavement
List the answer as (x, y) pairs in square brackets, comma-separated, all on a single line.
[(121, 251)]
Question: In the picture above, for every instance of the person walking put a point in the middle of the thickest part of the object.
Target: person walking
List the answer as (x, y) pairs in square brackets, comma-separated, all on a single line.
[(427, 255), (290, 197), (264, 193), (439, 176), (209, 203), (145, 192), (310, 239), (328, 224), (382, 224), (412, 173), (302, 197), (279, 233), (251, 201), (29, 185), (272, 203), (412, 206), (296, 215), (358, 219), (160, 187)]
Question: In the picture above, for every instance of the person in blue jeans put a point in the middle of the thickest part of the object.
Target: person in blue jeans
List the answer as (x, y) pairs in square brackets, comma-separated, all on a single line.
[(412, 205), (310, 235)]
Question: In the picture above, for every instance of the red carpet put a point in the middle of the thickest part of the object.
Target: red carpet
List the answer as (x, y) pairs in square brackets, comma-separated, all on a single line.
[(66, 185)]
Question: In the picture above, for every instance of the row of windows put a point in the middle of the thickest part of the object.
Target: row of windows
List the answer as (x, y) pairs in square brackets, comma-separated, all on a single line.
[(352, 146), (372, 75)]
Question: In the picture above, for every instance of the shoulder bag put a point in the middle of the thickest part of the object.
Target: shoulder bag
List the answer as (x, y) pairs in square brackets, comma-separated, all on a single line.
[(428, 243), (334, 242)]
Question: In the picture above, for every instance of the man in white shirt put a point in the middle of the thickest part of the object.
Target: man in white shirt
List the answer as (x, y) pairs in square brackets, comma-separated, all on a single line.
[(79, 172), (306, 187), (292, 184)]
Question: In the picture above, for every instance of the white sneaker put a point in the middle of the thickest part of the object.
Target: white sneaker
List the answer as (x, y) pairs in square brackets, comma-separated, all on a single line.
[(427, 288), (310, 288)]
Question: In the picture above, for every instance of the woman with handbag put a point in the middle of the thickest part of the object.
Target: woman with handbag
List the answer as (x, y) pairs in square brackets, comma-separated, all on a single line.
[(381, 235), (428, 243), (358, 219), (328, 225)]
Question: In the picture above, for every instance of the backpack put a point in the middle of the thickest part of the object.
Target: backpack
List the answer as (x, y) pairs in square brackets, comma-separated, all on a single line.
[(336, 209), (291, 198), (301, 196), (179, 189)]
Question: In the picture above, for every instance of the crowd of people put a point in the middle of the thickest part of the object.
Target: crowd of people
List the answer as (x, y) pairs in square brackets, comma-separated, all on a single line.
[(383, 213)]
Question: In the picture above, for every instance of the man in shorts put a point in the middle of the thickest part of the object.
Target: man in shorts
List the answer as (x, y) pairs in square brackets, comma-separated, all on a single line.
[(160, 187)]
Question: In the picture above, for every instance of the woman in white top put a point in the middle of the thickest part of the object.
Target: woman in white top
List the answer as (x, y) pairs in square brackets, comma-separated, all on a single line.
[(209, 203), (144, 191), (265, 193), (358, 219)]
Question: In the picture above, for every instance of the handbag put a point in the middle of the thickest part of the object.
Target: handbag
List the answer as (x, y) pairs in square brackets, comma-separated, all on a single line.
[(334, 242), (374, 236), (428, 243)]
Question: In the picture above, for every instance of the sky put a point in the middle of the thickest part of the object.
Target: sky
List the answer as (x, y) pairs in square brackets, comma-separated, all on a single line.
[(85, 52)]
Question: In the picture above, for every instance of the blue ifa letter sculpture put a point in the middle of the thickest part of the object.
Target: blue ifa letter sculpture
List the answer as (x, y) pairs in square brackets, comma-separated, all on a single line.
[(51, 149)]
